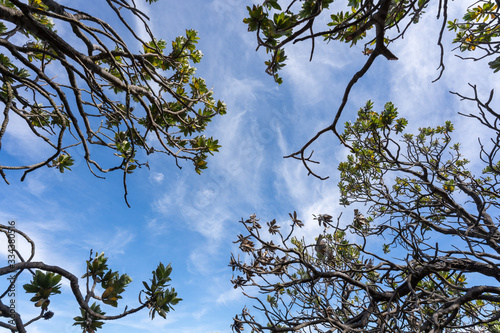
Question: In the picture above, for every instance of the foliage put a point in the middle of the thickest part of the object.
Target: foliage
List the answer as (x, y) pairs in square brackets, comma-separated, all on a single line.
[(111, 282), (43, 285), (161, 299), (278, 23), (46, 283), (106, 96), (480, 29), (89, 323), (375, 24), (426, 259)]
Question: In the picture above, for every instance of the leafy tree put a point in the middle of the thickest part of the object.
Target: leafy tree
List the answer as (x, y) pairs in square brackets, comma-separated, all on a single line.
[(375, 25), (102, 285), (87, 88), (95, 91), (426, 259)]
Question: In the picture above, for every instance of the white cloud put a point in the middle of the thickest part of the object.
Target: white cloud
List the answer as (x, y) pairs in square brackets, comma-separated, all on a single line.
[(156, 177), (230, 296), (319, 80), (111, 242), (227, 10), (241, 93), (35, 185), (19, 141), (202, 257), (171, 197), (202, 207), (158, 228)]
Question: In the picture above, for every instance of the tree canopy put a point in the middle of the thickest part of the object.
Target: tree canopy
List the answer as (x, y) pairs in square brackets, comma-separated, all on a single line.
[(425, 259), (376, 25), (76, 81), (426, 256), (90, 88)]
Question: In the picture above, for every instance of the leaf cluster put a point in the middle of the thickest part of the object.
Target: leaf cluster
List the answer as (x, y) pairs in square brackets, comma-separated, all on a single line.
[(89, 323), (159, 298), (111, 282), (43, 285), (479, 28)]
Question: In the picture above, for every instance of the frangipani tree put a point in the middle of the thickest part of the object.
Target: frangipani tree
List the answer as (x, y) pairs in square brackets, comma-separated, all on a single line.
[(103, 286), (105, 94), (425, 259), (373, 27)]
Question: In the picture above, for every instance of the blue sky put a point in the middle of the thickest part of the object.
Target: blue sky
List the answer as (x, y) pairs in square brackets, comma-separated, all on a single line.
[(191, 221)]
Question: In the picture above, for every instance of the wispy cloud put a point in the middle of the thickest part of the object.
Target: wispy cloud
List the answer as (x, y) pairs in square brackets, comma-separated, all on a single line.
[(20, 142), (230, 296), (156, 177), (112, 242)]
